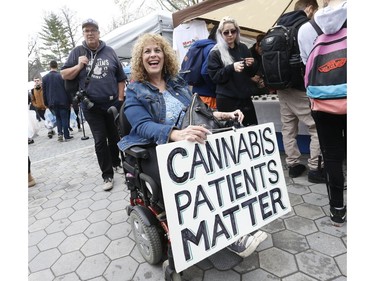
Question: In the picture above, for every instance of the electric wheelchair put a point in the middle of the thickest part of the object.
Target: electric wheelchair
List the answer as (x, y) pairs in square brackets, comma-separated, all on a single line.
[(146, 209)]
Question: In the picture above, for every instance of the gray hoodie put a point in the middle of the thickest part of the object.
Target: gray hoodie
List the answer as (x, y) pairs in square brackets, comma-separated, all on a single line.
[(329, 19)]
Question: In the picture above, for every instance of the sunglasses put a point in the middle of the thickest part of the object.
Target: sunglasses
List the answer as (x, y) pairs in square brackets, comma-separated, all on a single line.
[(232, 31)]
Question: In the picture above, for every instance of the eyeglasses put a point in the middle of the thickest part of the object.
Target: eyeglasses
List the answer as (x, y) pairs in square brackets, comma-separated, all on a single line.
[(232, 31), (90, 31)]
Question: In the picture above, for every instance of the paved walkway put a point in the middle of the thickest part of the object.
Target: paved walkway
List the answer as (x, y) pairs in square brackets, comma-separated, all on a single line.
[(79, 232)]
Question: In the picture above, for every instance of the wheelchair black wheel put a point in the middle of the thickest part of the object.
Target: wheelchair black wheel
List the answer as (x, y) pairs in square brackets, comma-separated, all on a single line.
[(147, 239)]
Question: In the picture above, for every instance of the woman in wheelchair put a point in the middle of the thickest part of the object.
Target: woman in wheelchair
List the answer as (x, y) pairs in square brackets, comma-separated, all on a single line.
[(155, 101)]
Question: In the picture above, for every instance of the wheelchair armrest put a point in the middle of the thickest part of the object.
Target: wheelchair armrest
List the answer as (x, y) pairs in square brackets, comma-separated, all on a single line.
[(113, 110), (137, 152)]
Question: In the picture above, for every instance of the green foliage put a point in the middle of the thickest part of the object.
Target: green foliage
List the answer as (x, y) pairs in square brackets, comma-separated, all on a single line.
[(56, 45)]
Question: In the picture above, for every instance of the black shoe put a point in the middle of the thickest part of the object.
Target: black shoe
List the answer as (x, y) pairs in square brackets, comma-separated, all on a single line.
[(316, 176), (31, 141), (296, 171), (69, 138), (338, 216)]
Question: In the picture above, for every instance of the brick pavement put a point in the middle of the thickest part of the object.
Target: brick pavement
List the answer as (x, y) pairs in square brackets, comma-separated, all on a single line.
[(79, 232)]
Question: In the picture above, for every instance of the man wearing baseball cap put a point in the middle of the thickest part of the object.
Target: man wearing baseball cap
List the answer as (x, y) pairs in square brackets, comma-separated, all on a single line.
[(90, 22), (102, 82)]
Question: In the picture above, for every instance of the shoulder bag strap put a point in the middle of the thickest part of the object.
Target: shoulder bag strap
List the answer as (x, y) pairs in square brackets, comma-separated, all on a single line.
[(91, 70), (316, 27)]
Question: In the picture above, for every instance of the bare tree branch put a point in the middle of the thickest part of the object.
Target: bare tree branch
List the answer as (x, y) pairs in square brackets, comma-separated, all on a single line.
[(71, 24)]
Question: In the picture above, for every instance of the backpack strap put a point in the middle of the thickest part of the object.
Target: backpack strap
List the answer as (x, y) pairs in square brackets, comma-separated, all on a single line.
[(316, 26), (296, 26), (299, 22)]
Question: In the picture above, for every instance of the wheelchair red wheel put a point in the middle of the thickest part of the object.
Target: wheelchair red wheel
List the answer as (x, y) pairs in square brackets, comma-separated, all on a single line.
[(147, 239)]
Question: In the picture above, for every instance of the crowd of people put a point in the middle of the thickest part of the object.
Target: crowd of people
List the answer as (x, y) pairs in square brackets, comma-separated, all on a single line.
[(157, 95)]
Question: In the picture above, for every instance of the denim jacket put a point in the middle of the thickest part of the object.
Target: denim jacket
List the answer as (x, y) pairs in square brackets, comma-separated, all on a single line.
[(145, 110)]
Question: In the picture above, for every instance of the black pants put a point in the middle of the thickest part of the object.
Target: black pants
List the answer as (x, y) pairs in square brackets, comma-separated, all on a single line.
[(40, 113), (332, 132), (227, 104), (105, 135)]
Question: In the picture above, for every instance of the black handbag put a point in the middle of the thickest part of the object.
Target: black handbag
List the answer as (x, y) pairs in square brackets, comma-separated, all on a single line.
[(199, 113)]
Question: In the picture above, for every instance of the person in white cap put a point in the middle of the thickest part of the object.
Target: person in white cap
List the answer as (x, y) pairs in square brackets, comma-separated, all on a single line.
[(102, 82)]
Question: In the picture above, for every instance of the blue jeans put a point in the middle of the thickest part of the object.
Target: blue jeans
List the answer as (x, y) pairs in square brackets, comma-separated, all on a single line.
[(62, 120), (106, 136)]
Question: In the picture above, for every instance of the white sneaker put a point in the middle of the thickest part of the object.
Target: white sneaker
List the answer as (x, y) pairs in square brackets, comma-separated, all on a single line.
[(108, 184), (247, 244)]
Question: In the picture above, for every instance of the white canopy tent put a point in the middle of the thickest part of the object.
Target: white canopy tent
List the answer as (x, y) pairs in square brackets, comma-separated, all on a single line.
[(123, 38)]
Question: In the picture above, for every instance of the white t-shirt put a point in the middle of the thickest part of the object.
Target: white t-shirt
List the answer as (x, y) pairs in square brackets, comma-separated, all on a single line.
[(185, 34)]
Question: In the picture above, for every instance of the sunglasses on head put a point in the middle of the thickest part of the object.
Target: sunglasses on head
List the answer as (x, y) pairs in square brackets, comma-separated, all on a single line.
[(232, 31)]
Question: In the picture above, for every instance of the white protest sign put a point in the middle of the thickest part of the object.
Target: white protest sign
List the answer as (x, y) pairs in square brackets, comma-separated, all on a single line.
[(214, 193)]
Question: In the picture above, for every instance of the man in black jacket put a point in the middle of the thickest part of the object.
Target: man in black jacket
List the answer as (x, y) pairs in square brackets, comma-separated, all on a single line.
[(57, 100), (295, 107)]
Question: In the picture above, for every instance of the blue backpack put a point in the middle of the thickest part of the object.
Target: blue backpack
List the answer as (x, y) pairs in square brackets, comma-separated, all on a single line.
[(192, 64)]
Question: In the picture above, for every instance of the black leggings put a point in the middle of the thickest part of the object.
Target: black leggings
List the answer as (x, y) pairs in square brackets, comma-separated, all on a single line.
[(331, 130)]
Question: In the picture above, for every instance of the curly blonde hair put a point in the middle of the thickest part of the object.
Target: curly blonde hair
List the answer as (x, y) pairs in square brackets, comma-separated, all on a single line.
[(171, 65)]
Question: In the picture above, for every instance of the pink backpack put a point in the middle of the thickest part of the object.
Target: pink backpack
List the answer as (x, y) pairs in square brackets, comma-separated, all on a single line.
[(326, 72)]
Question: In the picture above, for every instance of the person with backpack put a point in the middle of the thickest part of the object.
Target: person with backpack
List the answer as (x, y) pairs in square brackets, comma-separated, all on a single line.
[(37, 101), (294, 104), (325, 59), (231, 66), (194, 69)]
